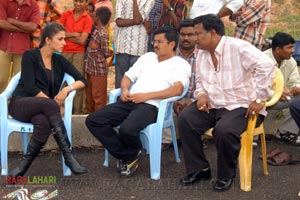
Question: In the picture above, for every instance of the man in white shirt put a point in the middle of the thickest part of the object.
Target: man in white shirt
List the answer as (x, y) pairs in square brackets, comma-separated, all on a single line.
[(221, 8), (232, 83), (156, 76), (281, 54)]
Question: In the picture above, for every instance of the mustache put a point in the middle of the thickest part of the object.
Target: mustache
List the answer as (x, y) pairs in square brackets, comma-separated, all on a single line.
[(185, 41)]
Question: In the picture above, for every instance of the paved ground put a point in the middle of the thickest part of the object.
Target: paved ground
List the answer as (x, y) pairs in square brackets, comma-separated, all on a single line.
[(104, 183)]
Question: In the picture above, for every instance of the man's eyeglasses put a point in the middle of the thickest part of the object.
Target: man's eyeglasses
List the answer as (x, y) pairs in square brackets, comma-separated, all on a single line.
[(158, 41)]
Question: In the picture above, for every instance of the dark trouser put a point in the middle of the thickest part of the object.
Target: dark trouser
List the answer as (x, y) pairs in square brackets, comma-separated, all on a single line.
[(295, 110), (123, 63), (43, 113), (131, 117), (228, 126)]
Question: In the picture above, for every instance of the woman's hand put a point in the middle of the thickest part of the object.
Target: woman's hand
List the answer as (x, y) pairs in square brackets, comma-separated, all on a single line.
[(61, 96)]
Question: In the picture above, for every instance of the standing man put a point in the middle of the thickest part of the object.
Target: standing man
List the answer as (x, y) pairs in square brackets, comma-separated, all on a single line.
[(156, 76), (221, 8), (131, 36), (281, 54), (154, 17), (174, 11), (232, 84), (252, 21), (49, 11), (187, 50), (18, 19)]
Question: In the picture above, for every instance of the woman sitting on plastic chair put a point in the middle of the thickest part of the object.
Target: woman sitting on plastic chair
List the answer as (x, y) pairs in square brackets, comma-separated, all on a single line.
[(37, 98)]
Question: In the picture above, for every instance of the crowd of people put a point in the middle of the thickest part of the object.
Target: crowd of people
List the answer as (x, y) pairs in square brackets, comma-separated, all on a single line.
[(159, 49)]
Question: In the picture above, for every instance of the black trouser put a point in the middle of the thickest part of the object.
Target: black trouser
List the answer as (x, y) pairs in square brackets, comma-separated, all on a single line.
[(228, 126), (295, 110), (43, 113), (131, 117)]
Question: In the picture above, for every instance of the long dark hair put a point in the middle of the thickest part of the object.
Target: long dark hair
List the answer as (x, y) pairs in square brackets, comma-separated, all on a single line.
[(49, 31)]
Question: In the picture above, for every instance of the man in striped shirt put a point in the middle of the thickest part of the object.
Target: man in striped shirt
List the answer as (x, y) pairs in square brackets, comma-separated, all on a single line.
[(252, 21), (232, 84)]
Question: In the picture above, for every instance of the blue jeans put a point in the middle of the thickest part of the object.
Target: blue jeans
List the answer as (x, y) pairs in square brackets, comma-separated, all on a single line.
[(123, 63)]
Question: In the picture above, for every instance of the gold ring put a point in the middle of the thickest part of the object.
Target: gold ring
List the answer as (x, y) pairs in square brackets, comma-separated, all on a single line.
[(253, 113)]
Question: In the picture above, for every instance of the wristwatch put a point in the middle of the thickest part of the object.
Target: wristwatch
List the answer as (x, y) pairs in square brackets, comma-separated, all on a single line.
[(170, 9), (259, 101)]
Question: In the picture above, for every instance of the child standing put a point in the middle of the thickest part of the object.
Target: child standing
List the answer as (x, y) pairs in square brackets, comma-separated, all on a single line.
[(96, 67), (78, 26)]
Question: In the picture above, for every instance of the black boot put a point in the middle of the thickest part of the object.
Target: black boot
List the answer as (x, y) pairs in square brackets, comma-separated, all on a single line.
[(33, 150), (60, 135)]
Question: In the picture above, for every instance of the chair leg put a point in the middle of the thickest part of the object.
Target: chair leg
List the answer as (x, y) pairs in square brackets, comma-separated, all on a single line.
[(245, 157), (4, 152), (173, 131), (155, 159), (264, 153), (245, 163), (106, 158), (24, 141)]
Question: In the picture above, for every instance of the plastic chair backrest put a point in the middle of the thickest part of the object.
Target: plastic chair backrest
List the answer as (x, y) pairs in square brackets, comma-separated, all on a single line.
[(277, 87)]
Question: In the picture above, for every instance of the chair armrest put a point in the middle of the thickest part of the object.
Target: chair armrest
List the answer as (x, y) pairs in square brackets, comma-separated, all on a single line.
[(69, 100), (6, 94), (113, 95), (278, 85), (162, 108)]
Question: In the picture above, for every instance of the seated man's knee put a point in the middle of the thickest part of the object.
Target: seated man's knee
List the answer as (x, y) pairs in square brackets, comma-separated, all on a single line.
[(183, 116), (223, 133), (128, 129)]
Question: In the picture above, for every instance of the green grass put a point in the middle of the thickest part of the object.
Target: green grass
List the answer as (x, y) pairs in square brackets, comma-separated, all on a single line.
[(292, 26)]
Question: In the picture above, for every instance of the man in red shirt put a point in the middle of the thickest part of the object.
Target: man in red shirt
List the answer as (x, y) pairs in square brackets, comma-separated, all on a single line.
[(18, 19)]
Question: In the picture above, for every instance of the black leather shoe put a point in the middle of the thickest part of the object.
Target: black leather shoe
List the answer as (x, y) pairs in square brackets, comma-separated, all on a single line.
[(222, 185), (196, 177)]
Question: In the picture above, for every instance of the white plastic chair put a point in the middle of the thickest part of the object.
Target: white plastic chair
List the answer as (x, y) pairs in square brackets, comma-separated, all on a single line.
[(9, 125), (151, 136)]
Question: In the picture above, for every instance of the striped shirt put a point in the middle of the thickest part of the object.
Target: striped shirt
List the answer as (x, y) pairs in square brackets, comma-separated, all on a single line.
[(180, 10), (95, 58), (49, 11), (252, 24), (243, 74), (192, 61), (132, 40)]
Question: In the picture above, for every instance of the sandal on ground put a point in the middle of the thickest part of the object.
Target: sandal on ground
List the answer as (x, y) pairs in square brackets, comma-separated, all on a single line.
[(280, 159), (290, 138), (283, 158), (272, 153)]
